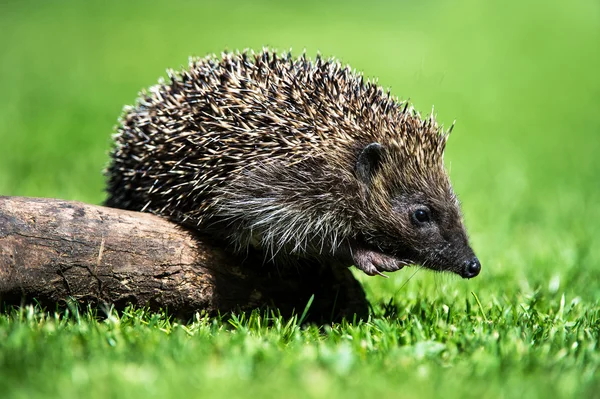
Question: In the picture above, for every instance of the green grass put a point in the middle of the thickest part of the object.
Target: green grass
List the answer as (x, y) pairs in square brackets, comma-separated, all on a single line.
[(520, 78)]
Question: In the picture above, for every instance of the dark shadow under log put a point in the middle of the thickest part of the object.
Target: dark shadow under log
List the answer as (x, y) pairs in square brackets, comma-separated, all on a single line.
[(52, 251)]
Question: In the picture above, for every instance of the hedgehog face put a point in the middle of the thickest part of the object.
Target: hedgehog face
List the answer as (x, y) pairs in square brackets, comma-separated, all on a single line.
[(431, 232), (421, 224)]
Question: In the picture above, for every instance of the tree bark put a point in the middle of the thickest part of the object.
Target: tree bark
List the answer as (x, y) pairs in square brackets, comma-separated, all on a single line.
[(53, 251)]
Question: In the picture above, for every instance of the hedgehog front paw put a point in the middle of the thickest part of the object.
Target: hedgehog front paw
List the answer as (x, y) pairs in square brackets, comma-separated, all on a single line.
[(374, 263)]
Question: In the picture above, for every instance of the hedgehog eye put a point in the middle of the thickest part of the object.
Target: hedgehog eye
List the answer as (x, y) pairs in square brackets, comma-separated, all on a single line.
[(421, 216)]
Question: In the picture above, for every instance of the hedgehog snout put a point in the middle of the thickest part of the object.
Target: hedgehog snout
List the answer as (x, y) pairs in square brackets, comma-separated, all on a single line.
[(471, 268)]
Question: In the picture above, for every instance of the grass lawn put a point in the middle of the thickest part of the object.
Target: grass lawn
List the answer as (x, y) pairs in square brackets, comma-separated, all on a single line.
[(520, 78)]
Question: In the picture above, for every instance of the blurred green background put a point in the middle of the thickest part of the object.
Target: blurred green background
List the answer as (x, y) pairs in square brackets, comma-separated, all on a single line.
[(522, 80)]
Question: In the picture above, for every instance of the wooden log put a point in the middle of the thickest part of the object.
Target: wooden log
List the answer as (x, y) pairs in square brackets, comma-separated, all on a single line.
[(52, 251)]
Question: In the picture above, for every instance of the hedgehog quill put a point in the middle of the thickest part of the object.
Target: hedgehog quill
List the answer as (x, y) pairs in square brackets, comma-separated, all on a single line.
[(295, 158)]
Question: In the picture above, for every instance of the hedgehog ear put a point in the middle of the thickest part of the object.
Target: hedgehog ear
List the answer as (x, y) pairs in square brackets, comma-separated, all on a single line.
[(368, 162)]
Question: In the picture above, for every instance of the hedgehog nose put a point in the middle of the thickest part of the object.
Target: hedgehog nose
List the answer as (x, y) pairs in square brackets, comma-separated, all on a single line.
[(472, 268)]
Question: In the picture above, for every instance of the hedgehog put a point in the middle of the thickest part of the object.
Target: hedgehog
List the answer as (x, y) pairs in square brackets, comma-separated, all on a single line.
[(295, 158)]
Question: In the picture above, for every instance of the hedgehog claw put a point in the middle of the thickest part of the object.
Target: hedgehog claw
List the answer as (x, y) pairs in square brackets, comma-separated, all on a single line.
[(374, 263), (381, 274)]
